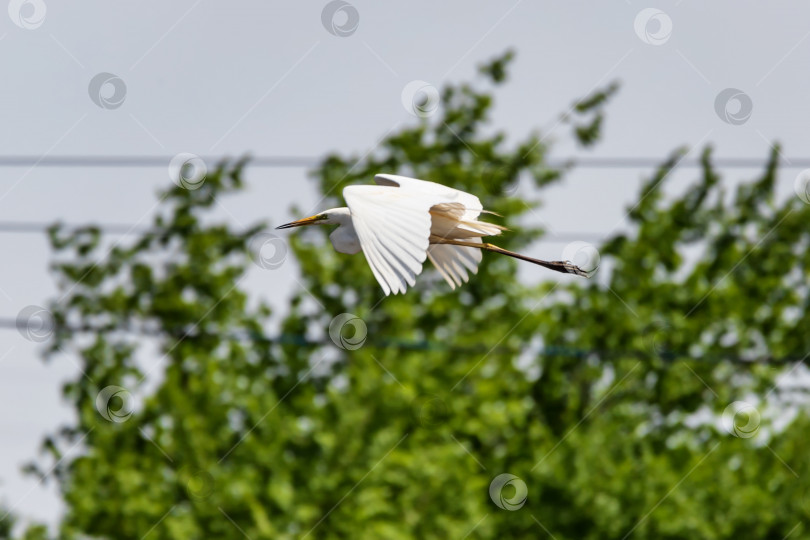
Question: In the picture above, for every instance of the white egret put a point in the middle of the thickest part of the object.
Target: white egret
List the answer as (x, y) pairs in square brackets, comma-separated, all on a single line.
[(401, 221)]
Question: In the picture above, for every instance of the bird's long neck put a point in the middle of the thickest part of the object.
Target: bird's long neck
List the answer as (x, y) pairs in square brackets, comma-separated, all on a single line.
[(344, 238)]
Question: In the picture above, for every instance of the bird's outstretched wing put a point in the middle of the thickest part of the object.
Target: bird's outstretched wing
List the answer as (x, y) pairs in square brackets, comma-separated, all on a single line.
[(442, 193), (454, 262), (393, 227), (393, 223)]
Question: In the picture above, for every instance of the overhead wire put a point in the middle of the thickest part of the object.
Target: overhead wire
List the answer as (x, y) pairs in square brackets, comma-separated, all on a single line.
[(141, 161), (301, 340)]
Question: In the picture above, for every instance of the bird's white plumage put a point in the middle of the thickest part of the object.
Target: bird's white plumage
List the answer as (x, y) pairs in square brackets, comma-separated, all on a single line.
[(445, 194), (394, 253), (394, 224), (402, 221), (454, 262)]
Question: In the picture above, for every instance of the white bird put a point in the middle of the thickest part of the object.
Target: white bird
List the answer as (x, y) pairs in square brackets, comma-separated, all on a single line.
[(401, 221)]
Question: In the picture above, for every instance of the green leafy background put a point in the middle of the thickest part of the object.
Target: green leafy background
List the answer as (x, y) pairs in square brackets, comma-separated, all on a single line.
[(604, 397)]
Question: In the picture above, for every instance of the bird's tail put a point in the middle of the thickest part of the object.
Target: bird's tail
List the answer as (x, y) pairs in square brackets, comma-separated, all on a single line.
[(481, 228)]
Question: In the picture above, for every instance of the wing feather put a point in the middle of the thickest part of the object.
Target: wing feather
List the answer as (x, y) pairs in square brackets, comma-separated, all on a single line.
[(446, 272), (393, 227), (451, 261), (444, 194), (393, 224)]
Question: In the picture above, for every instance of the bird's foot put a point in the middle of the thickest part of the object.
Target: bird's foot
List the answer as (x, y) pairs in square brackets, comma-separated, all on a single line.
[(571, 268)]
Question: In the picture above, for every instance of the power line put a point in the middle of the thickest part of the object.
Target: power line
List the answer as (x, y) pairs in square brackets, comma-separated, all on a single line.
[(123, 229), (39, 227), (423, 345), (144, 161)]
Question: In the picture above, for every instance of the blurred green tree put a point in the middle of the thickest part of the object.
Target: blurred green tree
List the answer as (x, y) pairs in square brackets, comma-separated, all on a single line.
[(612, 401)]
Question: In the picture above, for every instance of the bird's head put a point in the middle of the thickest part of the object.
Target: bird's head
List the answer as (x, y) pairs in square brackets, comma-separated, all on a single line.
[(333, 216)]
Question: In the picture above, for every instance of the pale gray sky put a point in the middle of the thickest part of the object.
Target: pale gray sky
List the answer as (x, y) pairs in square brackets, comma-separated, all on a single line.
[(267, 78)]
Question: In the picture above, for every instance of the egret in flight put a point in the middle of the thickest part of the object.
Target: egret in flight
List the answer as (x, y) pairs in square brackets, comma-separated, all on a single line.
[(401, 221)]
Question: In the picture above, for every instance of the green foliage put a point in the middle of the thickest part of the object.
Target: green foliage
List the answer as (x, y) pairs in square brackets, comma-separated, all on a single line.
[(601, 396), (6, 523)]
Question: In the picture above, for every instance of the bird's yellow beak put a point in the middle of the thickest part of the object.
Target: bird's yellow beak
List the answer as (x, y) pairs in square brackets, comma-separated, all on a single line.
[(311, 220)]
